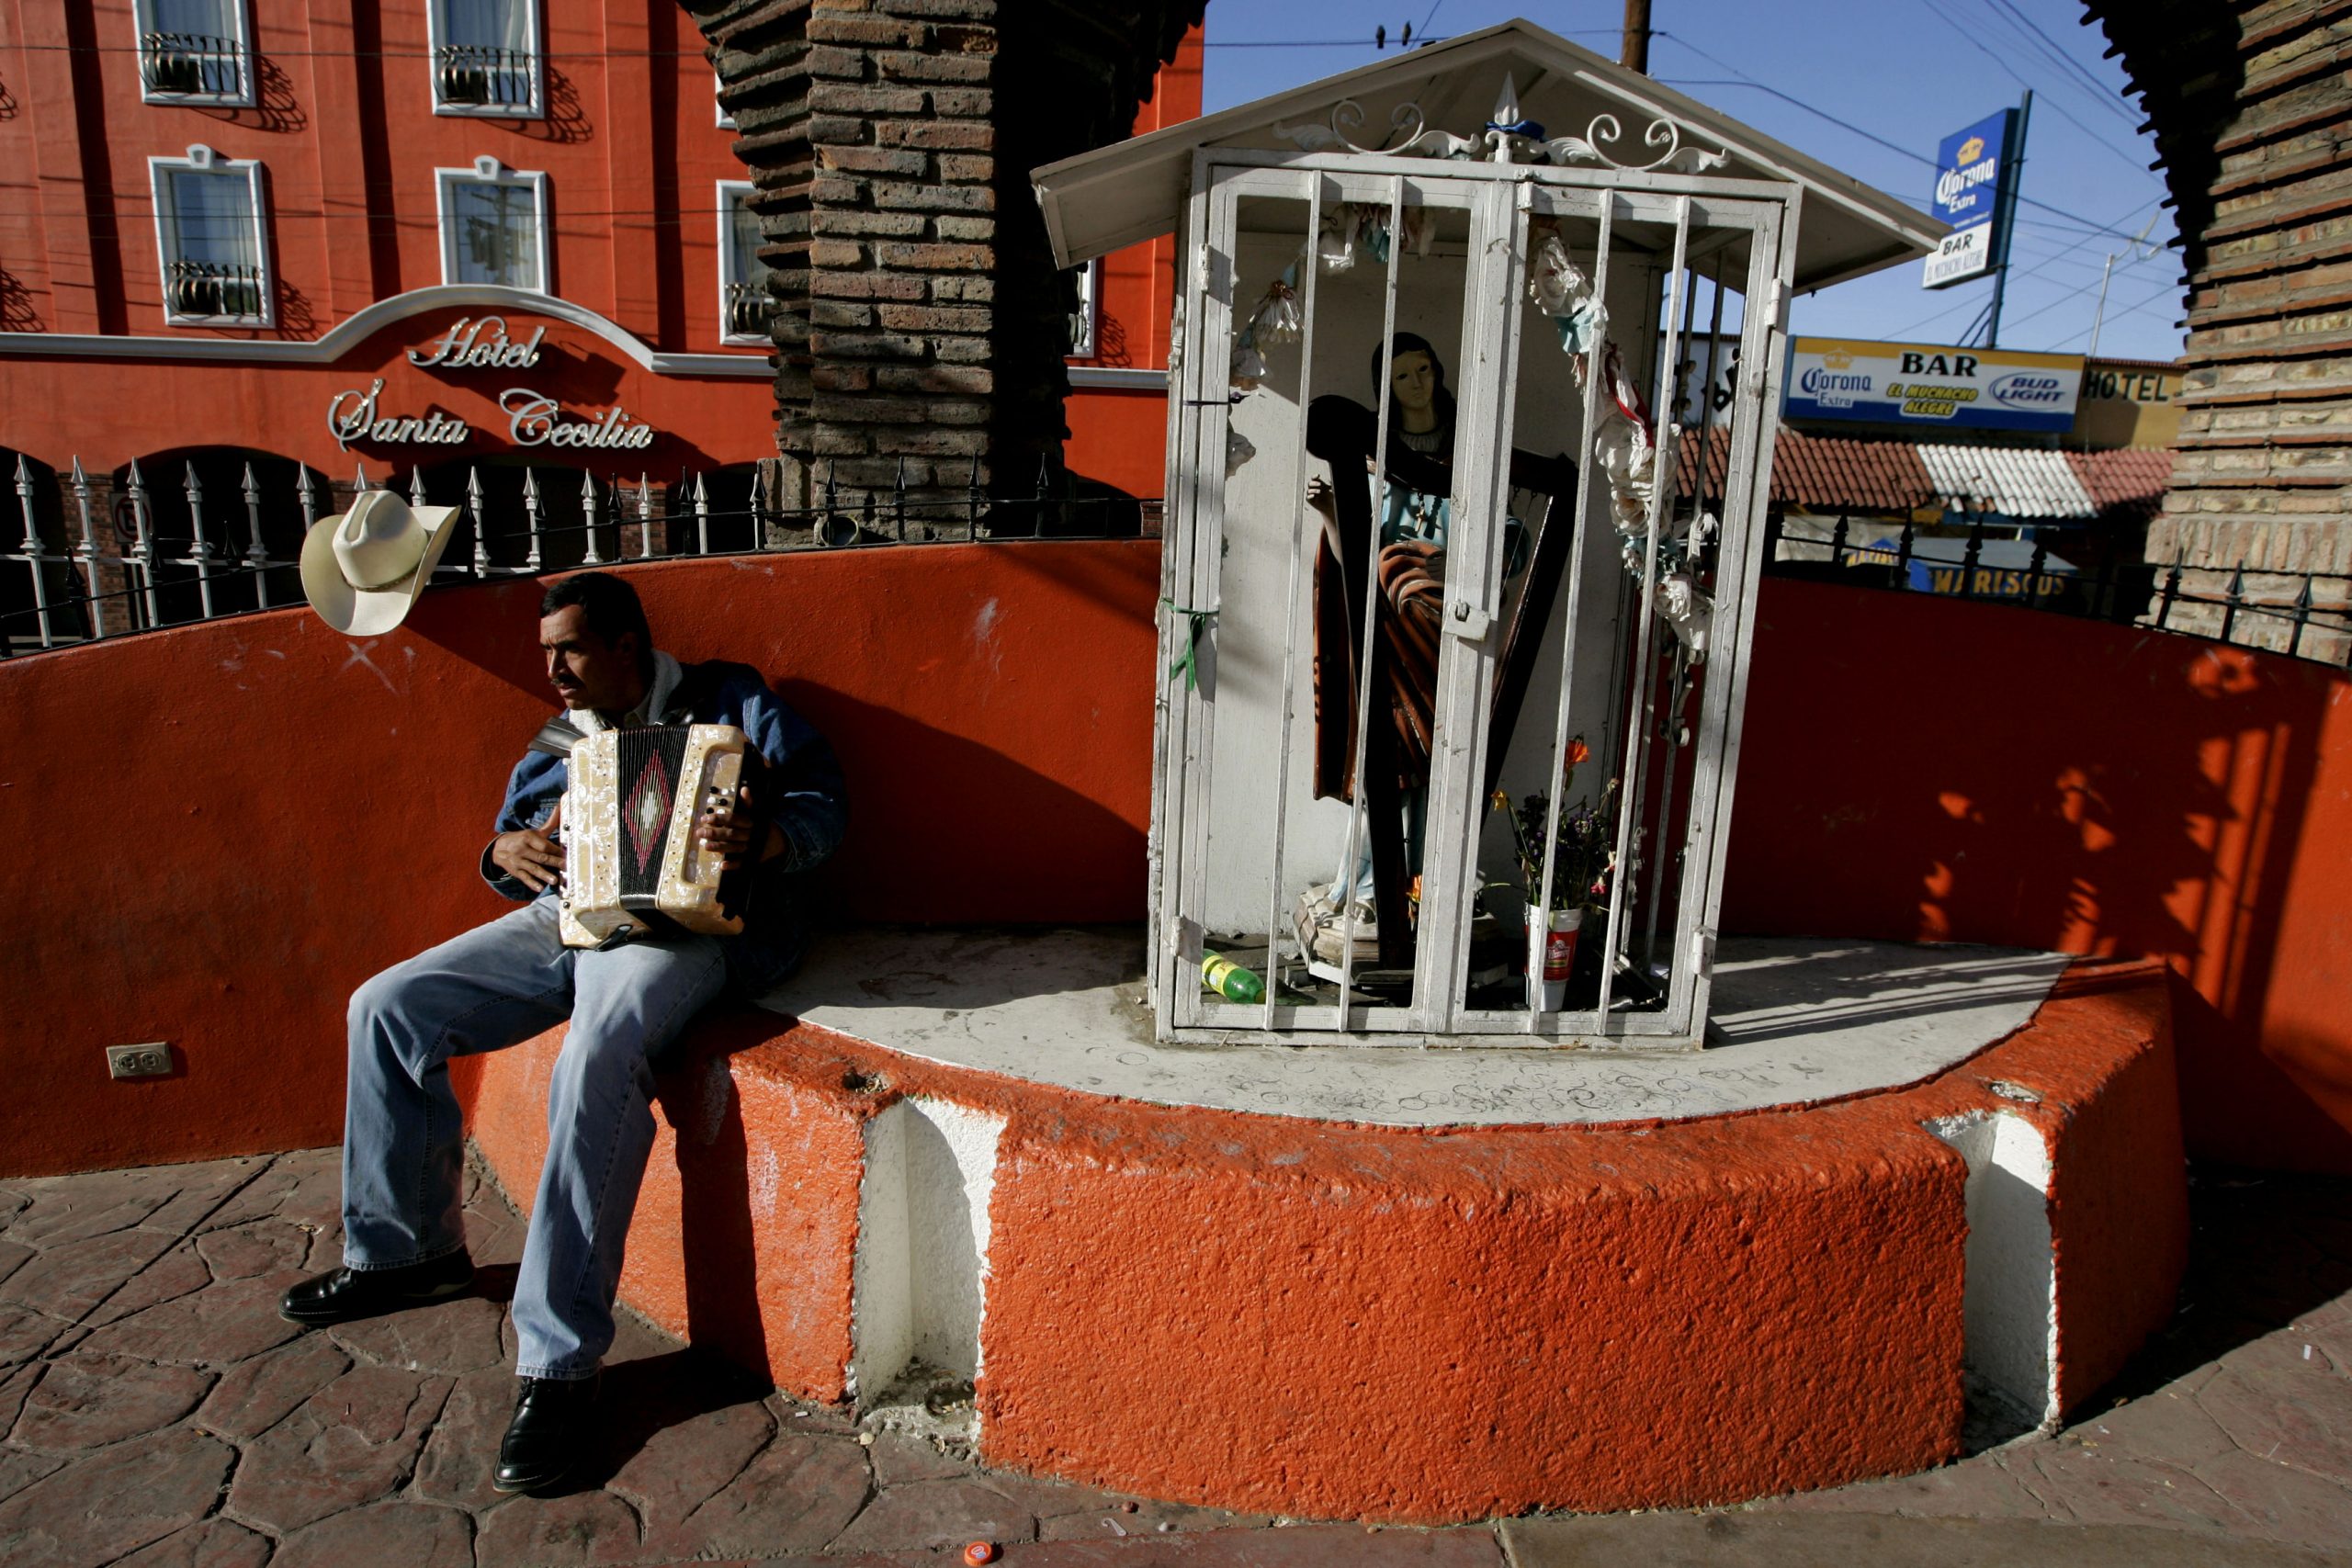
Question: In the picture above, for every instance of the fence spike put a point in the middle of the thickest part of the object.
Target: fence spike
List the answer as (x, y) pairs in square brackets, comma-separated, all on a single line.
[(2302, 617), (898, 499), (34, 556), (531, 517), (256, 553), (309, 497), (199, 548), (473, 510), (143, 552), (2233, 600), (644, 516), (972, 500), (588, 503), (89, 550), (359, 481), (702, 516)]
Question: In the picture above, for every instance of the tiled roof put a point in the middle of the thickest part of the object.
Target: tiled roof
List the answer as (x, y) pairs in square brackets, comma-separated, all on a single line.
[(1823, 473), (2131, 482)]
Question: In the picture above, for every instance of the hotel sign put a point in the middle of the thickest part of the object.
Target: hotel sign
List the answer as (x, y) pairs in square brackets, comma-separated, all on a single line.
[(533, 417), (1931, 386)]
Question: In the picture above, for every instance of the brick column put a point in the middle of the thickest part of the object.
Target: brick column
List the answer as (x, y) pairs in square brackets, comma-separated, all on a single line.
[(921, 319), (2248, 103)]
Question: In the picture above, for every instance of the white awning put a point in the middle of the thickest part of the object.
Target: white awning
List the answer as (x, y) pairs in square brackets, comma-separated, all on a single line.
[(1133, 190)]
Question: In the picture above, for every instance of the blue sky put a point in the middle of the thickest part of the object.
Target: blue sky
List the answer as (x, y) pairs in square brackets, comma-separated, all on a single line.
[(1905, 71)]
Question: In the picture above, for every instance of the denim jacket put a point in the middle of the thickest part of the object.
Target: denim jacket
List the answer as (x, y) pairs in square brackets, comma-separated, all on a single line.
[(805, 797)]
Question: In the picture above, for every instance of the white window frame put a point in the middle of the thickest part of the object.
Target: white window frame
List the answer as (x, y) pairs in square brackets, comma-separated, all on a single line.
[(725, 120), (535, 109), (487, 170), (728, 190), (204, 160), (1090, 301), (143, 13)]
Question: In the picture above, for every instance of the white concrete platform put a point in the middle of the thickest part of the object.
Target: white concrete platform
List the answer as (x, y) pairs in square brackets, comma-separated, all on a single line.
[(1804, 1019)]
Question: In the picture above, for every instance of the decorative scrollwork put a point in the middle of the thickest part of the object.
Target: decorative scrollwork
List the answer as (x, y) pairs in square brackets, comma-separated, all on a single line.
[(1605, 132), (1399, 142)]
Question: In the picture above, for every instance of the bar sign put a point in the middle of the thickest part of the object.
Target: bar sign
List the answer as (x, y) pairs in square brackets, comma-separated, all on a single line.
[(1965, 253)]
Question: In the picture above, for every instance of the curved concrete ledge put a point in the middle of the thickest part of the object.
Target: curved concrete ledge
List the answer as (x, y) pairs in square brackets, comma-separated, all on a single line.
[(1336, 1320), (1801, 1019)]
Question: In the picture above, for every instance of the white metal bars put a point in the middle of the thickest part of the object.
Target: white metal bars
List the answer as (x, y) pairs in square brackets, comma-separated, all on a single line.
[(1290, 604), (1594, 370), (1357, 796), (1634, 740)]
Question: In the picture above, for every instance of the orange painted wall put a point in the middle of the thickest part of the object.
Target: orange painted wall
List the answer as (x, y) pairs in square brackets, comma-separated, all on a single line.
[(1929, 769), (1914, 769), (217, 832)]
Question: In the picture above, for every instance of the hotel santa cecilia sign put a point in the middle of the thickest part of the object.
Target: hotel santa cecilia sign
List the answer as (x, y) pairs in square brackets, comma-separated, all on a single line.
[(533, 419)]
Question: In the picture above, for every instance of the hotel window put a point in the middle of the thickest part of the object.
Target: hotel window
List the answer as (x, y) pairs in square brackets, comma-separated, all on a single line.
[(725, 120), (744, 300), (494, 226), (485, 57), (1088, 277), (209, 241), (195, 51)]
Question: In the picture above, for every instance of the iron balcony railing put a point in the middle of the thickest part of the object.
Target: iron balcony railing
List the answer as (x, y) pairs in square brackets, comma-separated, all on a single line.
[(749, 308), (193, 65), (104, 562), (477, 76), (213, 290)]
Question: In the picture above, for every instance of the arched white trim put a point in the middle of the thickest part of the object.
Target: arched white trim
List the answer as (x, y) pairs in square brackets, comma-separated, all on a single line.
[(347, 335)]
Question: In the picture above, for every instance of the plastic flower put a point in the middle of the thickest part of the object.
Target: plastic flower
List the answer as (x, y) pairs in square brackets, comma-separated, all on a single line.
[(1578, 751), (1499, 800)]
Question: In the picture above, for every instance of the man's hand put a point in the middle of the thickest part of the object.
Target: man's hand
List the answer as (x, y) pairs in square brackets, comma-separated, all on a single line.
[(726, 832), (530, 855)]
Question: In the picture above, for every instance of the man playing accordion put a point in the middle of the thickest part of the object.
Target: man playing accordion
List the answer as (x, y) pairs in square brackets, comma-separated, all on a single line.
[(501, 983)]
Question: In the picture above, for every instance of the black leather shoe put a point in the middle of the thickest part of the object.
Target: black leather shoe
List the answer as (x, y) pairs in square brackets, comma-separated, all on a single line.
[(342, 1295), (548, 1434)]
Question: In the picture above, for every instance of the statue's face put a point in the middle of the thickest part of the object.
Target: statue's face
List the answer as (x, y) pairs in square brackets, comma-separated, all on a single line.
[(1413, 380)]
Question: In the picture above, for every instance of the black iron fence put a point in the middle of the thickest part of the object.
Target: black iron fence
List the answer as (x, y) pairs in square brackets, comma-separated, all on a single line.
[(2299, 612), (104, 557)]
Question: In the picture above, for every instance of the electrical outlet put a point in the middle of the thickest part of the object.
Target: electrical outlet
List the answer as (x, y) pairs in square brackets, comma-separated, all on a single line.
[(152, 1060)]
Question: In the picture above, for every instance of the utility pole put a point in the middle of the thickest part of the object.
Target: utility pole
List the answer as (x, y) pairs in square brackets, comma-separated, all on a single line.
[(2006, 219), (2099, 317), (1635, 55)]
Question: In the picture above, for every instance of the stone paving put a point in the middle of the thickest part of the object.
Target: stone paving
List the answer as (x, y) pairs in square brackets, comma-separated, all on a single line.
[(158, 1413)]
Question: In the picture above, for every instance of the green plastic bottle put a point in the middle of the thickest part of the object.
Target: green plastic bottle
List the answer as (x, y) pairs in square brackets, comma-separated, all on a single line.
[(1231, 981)]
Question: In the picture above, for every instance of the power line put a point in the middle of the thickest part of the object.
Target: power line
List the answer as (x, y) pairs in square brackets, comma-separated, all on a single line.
[(2060, 213), (2060, 109), (2070, 70)]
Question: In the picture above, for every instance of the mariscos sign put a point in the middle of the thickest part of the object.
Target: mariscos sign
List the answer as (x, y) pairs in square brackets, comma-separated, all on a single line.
[(533, 417)]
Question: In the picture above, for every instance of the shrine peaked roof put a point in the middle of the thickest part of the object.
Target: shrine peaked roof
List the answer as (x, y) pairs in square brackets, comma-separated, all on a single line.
[(1135, 190)]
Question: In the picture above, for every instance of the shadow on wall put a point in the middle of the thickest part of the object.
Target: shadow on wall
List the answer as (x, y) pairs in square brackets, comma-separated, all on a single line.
[(1950, 771), (963, 831)]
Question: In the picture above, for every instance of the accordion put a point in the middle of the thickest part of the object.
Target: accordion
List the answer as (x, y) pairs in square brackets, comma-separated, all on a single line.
[(631, 866)]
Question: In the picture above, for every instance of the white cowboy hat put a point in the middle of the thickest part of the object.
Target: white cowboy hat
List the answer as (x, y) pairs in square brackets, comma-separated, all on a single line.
[(361, 570)]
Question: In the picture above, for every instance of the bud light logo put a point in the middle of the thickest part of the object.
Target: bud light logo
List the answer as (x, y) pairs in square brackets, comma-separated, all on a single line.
[(2029, 389)]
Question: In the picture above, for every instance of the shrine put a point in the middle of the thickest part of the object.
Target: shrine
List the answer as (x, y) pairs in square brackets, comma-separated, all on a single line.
[(1447, 748)]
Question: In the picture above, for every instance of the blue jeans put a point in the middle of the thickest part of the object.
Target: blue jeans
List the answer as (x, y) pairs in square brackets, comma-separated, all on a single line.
[(403, 1138)]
